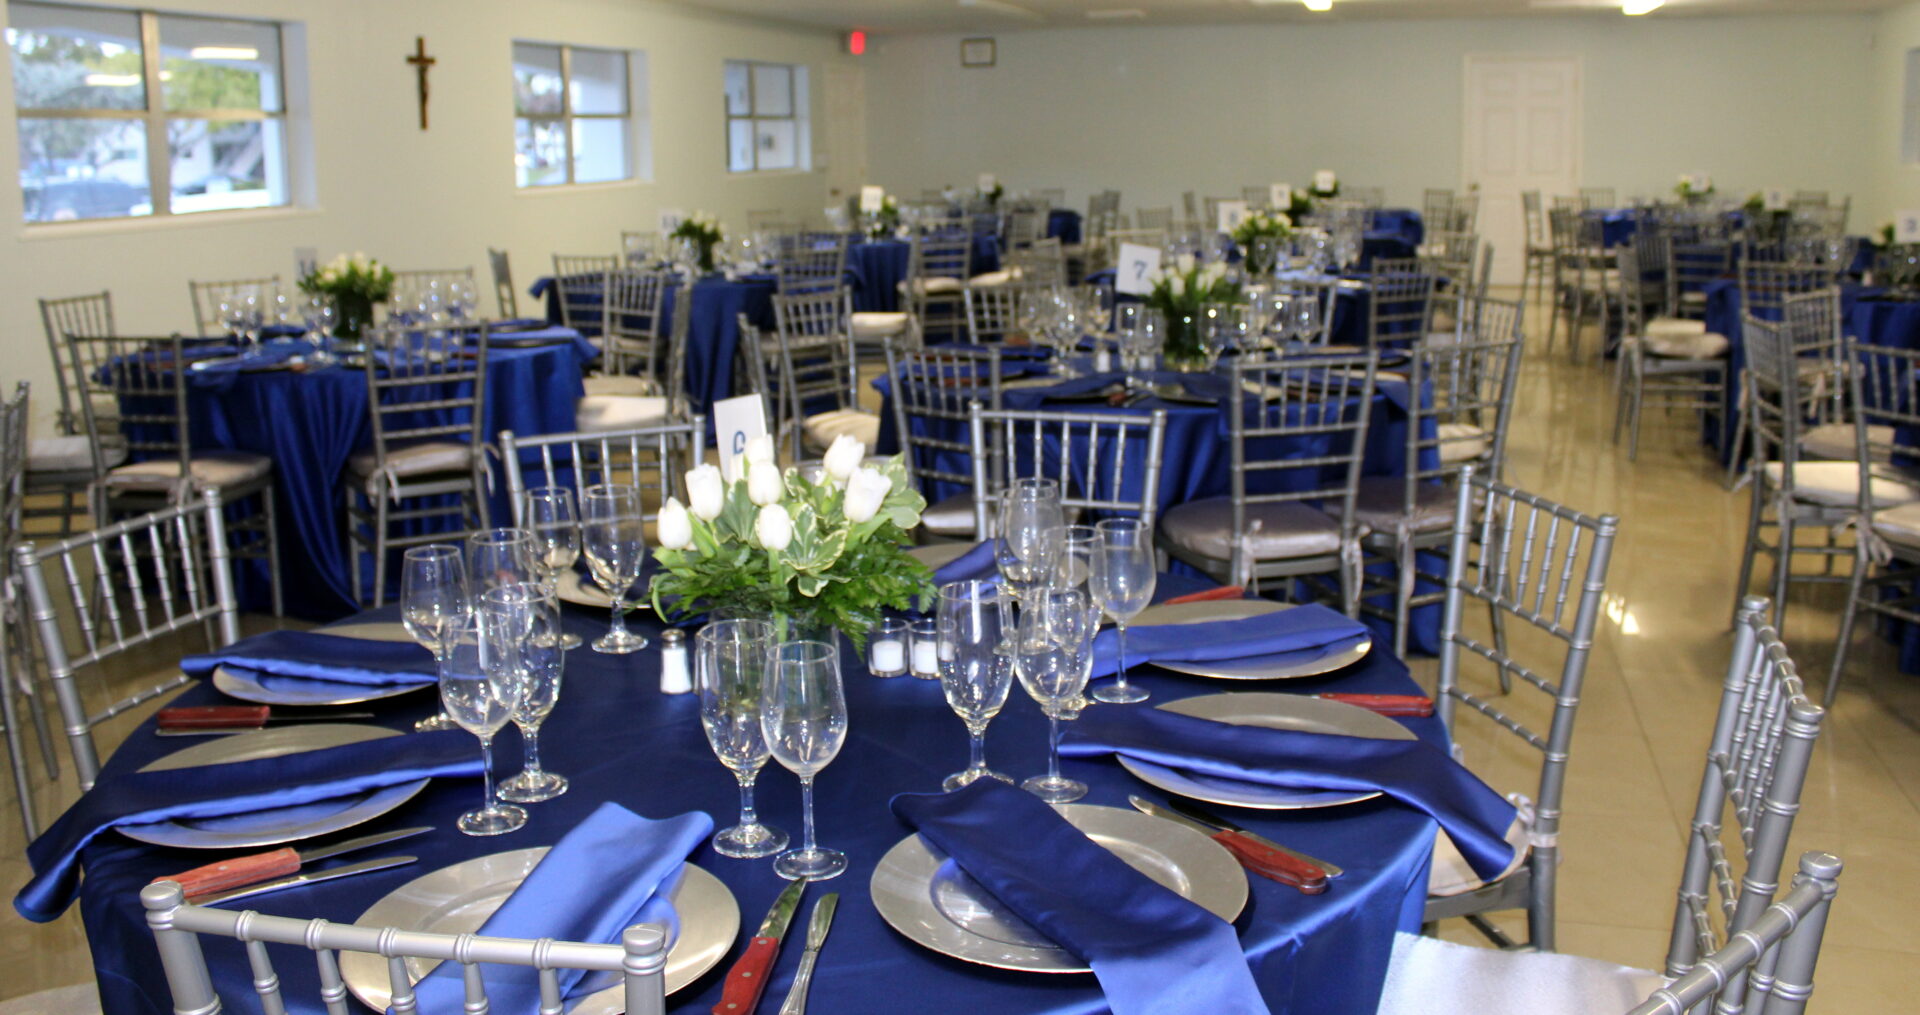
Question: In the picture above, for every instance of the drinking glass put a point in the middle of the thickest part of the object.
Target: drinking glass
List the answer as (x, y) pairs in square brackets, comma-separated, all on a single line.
[(1121, 581), (555, 527), (1228, 326), (497, 557), (480, 685), (541, 659), (1029, 513), (320, 321), (975, 670), (1304, 318), (614, 536), (730, 660), (1052, 649), (803, 714), (434, 602), (1073, 555)]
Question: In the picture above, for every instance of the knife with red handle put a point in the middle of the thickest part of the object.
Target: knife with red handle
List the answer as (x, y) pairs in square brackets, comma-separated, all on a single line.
[(1223, 592), (224, 875), (1385, 704), (748, 977), (238, 717), (1252, 854)]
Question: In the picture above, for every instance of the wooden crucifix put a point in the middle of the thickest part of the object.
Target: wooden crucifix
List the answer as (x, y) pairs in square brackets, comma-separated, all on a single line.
[(422, 63)]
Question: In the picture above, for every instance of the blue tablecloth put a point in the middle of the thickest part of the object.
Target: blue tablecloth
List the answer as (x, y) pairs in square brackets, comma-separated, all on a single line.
[(618, 739), (1723, 318), (1403, 224), (875, 269), (1064, 223)]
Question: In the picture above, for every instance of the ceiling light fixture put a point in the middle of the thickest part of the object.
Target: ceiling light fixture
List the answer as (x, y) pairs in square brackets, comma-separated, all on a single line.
[(224, 53), (1318, 5), (1002, 7), (1116, 14), (1635, 8)]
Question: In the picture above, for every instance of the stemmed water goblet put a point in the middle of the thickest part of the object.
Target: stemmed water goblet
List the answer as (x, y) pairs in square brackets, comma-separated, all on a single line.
[(542, 660), (613, 535), (435, 600), (497, 557), (1073, 555), (480, 686), (319, 321), (803, 714), (975, 669), (553, 523), (1304, 318), (1120, 581), (1052, 648), (730, 662), (1026, 548)]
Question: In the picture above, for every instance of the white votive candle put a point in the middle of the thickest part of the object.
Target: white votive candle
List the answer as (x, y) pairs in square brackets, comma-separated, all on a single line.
[(926, 659), (888, 657)]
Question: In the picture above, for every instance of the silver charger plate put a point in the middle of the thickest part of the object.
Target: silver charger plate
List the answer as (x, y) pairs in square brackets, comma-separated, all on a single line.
[(460, 898), (268, 689), (576, 588), (383, 630), (925, 896), (276, 825), (936, 555), (1277, 666), (1271, 711)]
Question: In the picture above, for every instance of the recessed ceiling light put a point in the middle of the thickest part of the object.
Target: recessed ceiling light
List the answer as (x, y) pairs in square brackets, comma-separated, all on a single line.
[(1634, 8), (1116, 14)]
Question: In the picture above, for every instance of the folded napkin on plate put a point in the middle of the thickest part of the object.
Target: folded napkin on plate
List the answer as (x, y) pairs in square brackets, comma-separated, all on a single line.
[(241, 787), (1413, 772), (1302, 628), (978, 564), (321, 656), (615, 869), (1151, 949)]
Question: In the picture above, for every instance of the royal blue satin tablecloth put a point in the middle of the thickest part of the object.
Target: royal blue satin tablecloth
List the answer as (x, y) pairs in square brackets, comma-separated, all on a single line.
[(1064, 224), (876, 268), (1401, 224), (618, 739)]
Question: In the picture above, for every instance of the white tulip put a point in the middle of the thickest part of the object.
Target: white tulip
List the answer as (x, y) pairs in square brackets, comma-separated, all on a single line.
[(844, 456), (773, 527), (866, 491), (764, 483), (760, 449), (1184, 264), (1177, 285), (706, 491), (676, 526)]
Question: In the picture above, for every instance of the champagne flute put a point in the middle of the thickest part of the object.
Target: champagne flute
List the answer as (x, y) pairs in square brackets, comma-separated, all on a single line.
[(975, 670), (480, 685), (542, 660), (550, 518), (613, 534), (1029, 513), (1073, 555), (1120, 581), (434, 603), (497, 557), (1053, 655), (803, 714), (730, 661)]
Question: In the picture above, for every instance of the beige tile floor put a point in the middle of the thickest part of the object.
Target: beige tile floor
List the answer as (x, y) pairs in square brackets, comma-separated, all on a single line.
[(1651, 693)]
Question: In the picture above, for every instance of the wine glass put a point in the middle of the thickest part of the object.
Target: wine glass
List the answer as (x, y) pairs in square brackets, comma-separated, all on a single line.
[(975, 670), (320, 321), (497, 557), (555, 527), (1304, 316), (613, 535), (1121, 581), (541, 659), (1029, 515), (1053, 655), (251, 320), (1073, 555), (803, 714), (434, 603), (480, 686), (730, 660)]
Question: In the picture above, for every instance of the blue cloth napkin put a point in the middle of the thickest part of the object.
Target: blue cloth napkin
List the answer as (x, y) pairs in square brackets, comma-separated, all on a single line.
[(1413, 772), (614, 870), (241, 787), (1152, 950), (978, 564), (1299, 629), (321, 656)]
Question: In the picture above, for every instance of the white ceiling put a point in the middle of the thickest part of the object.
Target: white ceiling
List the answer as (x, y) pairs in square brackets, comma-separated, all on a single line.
[(994, 15)]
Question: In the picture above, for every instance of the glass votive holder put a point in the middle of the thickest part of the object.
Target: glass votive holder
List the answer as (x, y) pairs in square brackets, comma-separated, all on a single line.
[(924, 638), (887, 648)]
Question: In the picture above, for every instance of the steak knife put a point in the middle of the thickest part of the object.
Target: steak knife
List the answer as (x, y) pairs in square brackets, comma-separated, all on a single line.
[(748, 977), (1255, 856), (1198, 813), (310, 878), (241, 871)]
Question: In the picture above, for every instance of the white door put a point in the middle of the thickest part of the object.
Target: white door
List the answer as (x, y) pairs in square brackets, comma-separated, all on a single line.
[(1522, 129), (846, 131)]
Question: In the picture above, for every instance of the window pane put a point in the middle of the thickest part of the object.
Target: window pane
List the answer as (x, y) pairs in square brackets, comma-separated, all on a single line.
[(599, 81), (739, 146), (599, 150), (75, 58), (772, 90), (775, 139), (536, 78), (539, 153), (739, 90), (221, 164), (209, 64), (83, 169)]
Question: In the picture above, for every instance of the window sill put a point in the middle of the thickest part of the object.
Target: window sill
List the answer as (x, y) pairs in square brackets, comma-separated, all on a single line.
[(579, 188), (751, 174), (118, 226)]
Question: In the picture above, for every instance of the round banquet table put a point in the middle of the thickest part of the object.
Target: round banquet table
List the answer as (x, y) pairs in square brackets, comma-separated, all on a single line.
[(876, 268), (617, 738)]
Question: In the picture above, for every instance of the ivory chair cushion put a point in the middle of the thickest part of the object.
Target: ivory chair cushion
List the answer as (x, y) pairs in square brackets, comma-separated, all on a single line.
[(69, 454), (1463, 442), (1676, 327), (211, 470), (824, 427), (620, 384), (1835, 440), (878, 323), (936, 284), (952, 516), (1287, 529), (1706, 345), (424, 459), (1382, 498), (1837, 484), (1005, 276), (1899, 525), (618, 412), (1429, 976)]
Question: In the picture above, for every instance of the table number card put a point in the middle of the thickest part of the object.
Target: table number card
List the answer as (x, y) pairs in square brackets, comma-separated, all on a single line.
[(1133, 271), (736, 421), (872, 197), (1775, 199), (1230, 213), (670, 219), (1906, 227), (1279, 196)]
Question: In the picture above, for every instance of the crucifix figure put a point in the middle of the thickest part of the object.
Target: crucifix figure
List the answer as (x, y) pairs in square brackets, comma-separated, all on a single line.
[(421, 62)]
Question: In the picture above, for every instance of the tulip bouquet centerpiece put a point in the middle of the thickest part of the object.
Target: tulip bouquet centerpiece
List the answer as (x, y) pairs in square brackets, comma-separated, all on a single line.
[(1259, 237), (1179, 292), (807, 551), (1326, 185), (354, 284), (703, 233)]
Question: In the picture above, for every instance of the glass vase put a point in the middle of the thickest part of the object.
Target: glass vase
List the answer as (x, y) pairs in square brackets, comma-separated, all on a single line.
[(353, 312), (1185, 349)]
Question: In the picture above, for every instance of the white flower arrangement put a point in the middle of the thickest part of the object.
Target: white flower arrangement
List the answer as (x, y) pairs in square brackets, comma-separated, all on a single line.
[(356, 275), (1326, 183), (1693, 185), (1261, 224)]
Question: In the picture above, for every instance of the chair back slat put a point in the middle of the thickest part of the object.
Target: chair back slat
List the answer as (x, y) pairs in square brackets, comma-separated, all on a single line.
[(207, 297), (423, 385), (579, 284), (1772, 958), (1090, 454), (507, 299), (633, 321), (653, 458), (146, 378), (810, 262), (1399, 302), (88, 316), (1298, 426), (14, 420), (932, 391)]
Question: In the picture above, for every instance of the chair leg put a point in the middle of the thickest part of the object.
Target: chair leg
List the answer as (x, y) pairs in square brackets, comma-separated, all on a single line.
[(1754, 518), (1854, 586), (1782, 571), (1403, 597), (353, 551), (380, 548), (1734, 458), (1540, 900), (1633, 417), (272, 519), (17, 757)]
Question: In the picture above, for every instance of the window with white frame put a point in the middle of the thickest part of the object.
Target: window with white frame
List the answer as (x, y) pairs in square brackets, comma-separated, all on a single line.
[(127, 113), (767, 122), (572, 115)]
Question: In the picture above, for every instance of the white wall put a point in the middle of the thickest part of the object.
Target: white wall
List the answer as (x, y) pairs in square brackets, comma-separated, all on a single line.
[(1756, 101), (423, 200), (1896, 185)]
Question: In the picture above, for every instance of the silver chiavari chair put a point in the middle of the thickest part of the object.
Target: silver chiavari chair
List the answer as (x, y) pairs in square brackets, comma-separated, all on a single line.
[(1436, 209), (1668, 368), (818, 372), (507, 300), (645, 363), (938, 266), (932, 393), (653, 458), (993, 312), (16, 662), (1298, 434), (1042, 262), (810, 262), (207, 297), (1399, 303), (1596, 198), (126, 586), (579, 286), (417, 281), (87, 316), (426, 403), (1545, 564), (1160, 219), (61, 465), (640, 958), (1452, 261), (1537, 263), (1780, 947), (1094, 456)]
